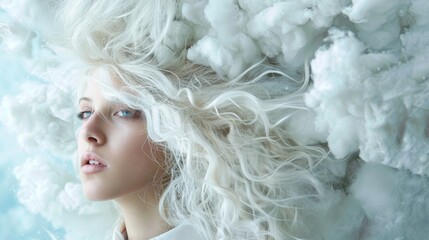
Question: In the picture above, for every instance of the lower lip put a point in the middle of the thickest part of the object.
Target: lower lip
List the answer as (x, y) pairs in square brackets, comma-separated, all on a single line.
[(92, 168)]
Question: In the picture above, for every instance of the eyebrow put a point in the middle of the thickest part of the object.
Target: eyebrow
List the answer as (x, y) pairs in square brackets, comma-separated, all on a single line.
[(85, 99)]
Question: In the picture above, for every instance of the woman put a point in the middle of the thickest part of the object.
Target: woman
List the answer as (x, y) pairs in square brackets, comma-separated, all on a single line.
[(184, 153)]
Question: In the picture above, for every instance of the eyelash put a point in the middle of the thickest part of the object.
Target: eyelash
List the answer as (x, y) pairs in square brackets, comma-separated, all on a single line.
[(81, 115), (134, 114)]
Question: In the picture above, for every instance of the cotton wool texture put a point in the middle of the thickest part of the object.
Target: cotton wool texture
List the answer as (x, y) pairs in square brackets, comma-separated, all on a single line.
[(367, 97), (374, 102)]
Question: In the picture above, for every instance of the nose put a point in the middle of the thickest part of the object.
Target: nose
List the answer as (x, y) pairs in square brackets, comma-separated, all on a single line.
[(92, 130)]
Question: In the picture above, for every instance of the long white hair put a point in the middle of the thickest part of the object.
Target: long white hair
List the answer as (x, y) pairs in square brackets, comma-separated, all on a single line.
[(234, 171)]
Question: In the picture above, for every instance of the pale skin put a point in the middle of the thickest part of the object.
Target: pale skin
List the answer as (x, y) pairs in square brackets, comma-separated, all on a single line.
[(131, 166)]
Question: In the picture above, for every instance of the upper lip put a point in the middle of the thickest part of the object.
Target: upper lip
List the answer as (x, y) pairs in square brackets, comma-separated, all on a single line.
[(90, 156)]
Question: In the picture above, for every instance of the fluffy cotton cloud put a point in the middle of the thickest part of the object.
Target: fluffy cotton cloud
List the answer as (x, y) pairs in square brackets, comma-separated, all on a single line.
[(26, 30), (35, 15), (56, 195), (292, 30), (233, 35), (376, 102), (379, 22), (337, 219), (42, 117), (394, 201), (339, 73), (226, 47)]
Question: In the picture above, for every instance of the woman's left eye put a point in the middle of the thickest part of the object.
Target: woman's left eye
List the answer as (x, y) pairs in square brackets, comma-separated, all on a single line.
[(128, 114)]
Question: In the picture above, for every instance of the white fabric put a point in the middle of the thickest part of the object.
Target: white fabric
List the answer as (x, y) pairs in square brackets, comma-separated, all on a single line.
[(180, 232)]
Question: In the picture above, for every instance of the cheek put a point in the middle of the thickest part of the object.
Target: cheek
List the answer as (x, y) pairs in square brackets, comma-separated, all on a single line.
[(143, 160), (142, 155), (136, 169)]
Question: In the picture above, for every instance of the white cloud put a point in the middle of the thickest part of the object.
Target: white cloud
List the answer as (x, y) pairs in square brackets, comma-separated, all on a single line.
[(369, 96)]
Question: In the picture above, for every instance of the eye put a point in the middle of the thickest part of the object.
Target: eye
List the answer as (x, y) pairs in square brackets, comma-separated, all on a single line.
[(128, 113), (84, 115)]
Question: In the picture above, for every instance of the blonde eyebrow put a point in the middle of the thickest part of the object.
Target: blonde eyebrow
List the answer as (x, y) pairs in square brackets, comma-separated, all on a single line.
[(85, 99)]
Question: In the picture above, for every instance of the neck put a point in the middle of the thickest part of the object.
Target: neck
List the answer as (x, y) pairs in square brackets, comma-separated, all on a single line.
[(141, 216)]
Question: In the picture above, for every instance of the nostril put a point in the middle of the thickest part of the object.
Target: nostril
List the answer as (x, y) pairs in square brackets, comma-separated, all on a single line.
[(96, 138), (92, 139), (93, 132)]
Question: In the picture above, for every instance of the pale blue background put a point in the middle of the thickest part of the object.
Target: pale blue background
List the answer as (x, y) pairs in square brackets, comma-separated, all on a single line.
[(16, 222)]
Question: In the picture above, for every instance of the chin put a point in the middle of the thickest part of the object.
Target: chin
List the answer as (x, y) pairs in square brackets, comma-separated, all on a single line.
[(95, 195)]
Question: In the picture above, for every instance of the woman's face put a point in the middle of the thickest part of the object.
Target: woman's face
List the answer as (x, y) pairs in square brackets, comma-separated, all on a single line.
[(116, 157)]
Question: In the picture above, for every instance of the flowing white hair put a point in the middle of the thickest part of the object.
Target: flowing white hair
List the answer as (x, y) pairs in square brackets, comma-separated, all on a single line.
[(234, 172)]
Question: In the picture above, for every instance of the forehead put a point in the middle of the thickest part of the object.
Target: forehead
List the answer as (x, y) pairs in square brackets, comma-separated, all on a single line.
[(99, 85), (105, 76)]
